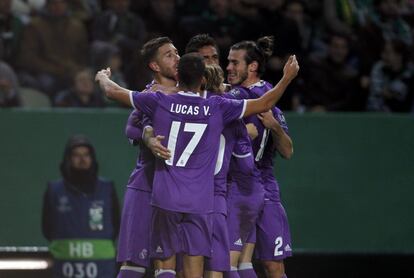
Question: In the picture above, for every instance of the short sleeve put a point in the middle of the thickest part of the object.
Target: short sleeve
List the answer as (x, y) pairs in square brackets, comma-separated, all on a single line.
[(231, 109), (242, 148), (133, 129), (280, 117), (242, 153), (146, 122), (145, 102)]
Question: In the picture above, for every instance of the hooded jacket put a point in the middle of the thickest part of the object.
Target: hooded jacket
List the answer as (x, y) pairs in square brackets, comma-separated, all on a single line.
[(78, 182)]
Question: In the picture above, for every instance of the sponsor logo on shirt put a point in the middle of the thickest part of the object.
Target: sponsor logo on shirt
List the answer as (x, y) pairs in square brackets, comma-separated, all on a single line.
[(238, 242), (159, 249), (288, 248)]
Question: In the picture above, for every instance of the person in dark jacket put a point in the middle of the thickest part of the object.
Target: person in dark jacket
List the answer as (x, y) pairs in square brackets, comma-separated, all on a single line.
[(81, 215)]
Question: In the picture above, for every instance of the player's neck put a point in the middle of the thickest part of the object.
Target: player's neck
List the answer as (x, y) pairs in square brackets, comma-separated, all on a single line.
[(165, 81), (250, 81), (196, 90)]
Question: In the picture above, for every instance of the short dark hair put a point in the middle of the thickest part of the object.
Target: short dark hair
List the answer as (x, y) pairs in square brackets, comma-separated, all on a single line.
[(199, 41), (150, 48), (190, 70), (259, 51)]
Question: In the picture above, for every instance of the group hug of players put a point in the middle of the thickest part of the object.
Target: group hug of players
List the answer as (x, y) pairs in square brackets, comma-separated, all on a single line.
[(202, 199)]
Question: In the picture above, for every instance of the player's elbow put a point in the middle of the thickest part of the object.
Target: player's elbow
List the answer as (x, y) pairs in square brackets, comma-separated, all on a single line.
[(109, 93), (287, 154)]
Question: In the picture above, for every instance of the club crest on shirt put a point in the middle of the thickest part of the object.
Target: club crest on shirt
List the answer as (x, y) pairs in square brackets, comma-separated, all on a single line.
[(235, 92), (96, 216), (282, 119), (143, 254)]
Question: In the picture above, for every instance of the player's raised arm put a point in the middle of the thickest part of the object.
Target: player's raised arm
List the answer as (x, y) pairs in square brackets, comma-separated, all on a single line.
[(268, 100), (111, 89)]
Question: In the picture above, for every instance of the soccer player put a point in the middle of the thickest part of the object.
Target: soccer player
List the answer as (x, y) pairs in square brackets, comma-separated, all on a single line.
[(246, 192), (182, 196), (247, 61), (206, 46), (251, 191), (134, 239), (233, 137), (235, 141)]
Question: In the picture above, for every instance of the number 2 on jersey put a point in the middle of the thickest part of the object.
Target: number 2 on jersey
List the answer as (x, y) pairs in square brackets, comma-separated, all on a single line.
[(197, 129), (278, 243)]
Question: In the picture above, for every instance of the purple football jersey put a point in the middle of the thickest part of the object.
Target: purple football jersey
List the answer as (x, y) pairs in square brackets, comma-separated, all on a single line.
[(266, 163), (263, 145), (255, 91), (192, 126), (133, 128), (233, 134), (142, 176)]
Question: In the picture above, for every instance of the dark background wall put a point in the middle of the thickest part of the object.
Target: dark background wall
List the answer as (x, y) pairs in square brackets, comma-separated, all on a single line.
[(348, 188)]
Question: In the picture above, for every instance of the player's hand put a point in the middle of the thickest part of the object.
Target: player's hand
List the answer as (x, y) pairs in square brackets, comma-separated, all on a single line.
[(291, 68), (268, 119), (252, 131), (159, 151), (103, 74)]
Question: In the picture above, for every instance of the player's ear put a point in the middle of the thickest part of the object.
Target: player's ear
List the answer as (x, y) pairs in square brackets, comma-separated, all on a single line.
[(154, 66), (253, 66)]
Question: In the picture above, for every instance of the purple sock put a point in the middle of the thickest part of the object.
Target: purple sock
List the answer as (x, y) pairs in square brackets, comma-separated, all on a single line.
[(164, 273), (246, 270), (131, 272), (284, 276)]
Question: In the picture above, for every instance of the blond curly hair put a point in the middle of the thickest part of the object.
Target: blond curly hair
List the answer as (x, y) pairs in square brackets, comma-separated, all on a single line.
[(214, 76)]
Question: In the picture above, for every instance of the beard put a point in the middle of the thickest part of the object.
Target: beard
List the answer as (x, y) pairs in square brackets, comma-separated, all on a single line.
[(243, 77), (169, 73), (239, 78), (83, 180)]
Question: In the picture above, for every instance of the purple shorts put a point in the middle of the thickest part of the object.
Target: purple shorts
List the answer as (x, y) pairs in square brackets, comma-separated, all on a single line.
[(273, 235), (243, 212), (220, 257), (174, 232), (134, 241)]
